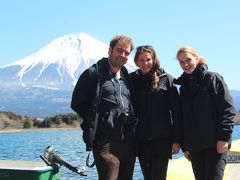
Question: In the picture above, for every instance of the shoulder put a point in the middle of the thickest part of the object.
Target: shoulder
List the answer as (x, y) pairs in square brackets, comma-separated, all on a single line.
[(124, 71), (215, 81), (133, 74), (170, 77), (93, 71), (97, 68), (136, 77), (101, 65), (210, 75), (102, 62), (162, 74)]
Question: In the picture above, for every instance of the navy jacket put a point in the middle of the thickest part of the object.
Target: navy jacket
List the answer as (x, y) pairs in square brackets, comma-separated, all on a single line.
[(208, 110), (158, 112), (114, 99)]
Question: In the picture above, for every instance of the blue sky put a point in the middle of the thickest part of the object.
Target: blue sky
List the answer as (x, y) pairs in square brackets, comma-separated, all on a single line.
[(211, 27)]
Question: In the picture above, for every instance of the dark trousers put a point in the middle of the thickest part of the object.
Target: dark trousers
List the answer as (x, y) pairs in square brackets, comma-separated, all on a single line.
[(153, 157), (114, 160), (208, 164)]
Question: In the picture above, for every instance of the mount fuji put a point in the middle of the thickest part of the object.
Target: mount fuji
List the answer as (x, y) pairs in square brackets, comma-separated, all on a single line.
[(41, 84)]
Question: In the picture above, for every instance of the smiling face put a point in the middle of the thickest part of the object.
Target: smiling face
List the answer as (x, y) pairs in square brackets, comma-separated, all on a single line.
[(144, 62), (118, 55), (187, 61)]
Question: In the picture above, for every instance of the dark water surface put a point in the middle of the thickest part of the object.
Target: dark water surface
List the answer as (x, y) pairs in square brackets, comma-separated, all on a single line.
[(29, 145)]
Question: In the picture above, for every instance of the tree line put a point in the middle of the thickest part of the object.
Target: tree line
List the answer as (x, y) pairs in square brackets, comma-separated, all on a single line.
[(11, 120)]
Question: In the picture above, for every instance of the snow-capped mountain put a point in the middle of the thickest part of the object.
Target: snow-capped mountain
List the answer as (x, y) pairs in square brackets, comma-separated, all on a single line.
[(57, 65), (41, 83)]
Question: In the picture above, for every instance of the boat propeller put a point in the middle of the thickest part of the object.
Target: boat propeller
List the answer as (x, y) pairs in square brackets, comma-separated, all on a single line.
[(52, 158)]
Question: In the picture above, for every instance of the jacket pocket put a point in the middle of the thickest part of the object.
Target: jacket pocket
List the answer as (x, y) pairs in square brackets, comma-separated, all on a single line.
[(107, 104)]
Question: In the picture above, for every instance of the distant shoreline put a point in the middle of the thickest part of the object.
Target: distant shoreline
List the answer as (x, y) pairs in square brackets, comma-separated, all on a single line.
[(4, 131)]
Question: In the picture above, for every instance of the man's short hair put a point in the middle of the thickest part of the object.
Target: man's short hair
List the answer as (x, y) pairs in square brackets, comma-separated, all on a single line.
[(123, 39)]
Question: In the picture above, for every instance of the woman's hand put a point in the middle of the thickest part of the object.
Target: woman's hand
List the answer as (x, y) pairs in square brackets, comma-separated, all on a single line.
[(175, 148), (222, 146), (187, 155)]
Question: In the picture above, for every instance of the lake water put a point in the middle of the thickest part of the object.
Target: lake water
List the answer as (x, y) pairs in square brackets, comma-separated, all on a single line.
[(29, 145)]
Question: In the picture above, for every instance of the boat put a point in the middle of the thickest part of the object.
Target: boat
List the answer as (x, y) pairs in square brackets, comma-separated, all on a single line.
[(48, 169), (27, 170)]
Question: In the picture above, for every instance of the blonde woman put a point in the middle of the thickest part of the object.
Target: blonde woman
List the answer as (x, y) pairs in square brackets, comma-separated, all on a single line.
[(208, 114)]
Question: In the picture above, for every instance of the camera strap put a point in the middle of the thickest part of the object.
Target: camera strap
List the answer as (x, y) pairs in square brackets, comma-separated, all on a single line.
[(97, 99), (95, 106), (88, 159)]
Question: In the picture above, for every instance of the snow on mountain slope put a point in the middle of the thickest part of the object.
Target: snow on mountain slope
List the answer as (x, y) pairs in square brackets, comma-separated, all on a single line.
[(58, 64), (41, 83)]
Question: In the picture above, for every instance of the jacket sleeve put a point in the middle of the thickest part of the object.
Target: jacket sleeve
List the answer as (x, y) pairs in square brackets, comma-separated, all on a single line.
[(175, 107), (225, 108), (83, 94)]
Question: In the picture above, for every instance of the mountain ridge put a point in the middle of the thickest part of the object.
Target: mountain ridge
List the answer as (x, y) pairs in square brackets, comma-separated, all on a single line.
[(59, 63)]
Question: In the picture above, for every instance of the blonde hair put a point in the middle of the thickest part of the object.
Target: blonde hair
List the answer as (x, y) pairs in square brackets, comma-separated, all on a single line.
[(190, 50)]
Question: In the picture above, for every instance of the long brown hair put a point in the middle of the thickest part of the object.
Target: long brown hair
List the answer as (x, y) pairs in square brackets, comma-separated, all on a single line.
[(155, 67)]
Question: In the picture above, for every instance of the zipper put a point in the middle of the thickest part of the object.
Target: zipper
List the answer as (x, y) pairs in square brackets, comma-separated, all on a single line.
[(120, 94)]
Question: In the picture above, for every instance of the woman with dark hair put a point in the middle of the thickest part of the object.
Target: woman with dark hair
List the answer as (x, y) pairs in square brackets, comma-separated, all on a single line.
[(157, 105), (208, 114)]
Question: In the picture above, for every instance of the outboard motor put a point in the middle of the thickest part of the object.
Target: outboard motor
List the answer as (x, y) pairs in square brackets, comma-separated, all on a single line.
[(51, 158)]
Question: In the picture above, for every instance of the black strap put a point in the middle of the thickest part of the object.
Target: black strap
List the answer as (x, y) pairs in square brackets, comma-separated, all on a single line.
[(98, 88), (88, 159), (96, 102), (95, 106)]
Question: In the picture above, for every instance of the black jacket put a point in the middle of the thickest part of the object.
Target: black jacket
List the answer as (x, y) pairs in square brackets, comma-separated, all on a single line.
[(159, 111), (114, 100), (208, 110)]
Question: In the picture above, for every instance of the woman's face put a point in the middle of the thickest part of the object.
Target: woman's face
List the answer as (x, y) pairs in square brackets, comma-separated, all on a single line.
[(187, 61), (145, 62)]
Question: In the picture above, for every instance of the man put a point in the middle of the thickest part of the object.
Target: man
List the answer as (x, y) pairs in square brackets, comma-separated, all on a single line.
[(113, 146)]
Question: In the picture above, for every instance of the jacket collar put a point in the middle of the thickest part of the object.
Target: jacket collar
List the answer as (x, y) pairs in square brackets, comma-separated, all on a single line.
[(197, 73)]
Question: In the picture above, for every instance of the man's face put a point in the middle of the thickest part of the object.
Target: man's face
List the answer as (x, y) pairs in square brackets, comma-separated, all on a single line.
[(118, 55)]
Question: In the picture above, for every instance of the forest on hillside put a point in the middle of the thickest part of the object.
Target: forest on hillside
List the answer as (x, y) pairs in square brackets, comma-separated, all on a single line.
[(11, 120)]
